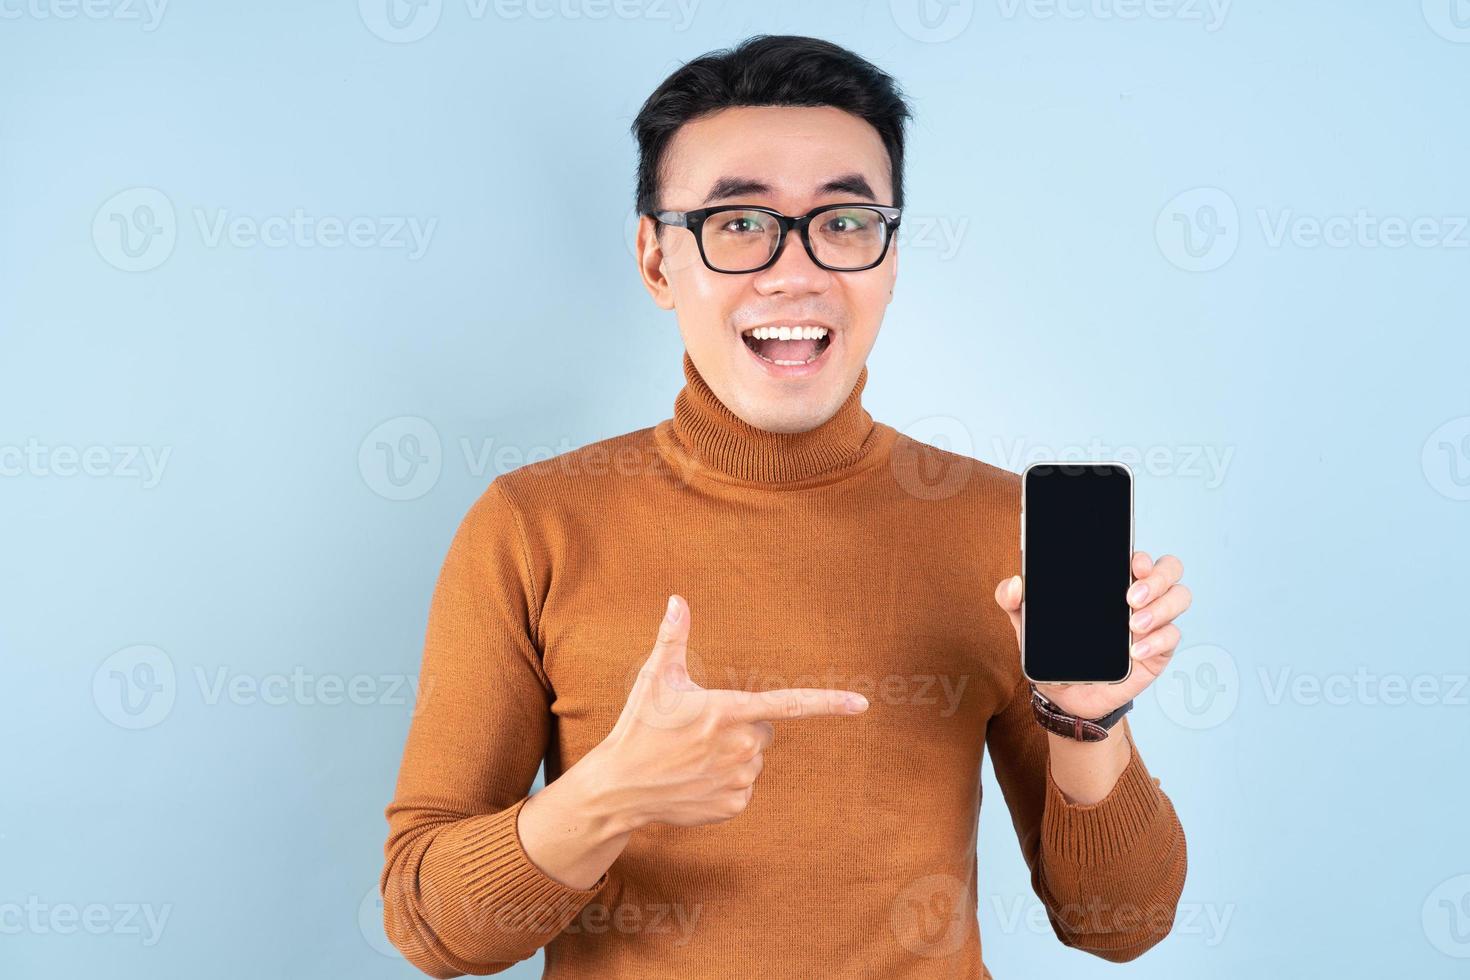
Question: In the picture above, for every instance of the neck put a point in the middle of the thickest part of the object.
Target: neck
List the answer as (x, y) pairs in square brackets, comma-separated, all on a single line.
[(709, 431)]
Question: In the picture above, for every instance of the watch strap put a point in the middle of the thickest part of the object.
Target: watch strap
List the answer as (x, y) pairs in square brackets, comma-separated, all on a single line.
[(1059, 722)]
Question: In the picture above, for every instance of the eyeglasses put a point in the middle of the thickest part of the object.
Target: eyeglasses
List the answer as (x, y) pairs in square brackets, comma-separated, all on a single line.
[(738, 238)]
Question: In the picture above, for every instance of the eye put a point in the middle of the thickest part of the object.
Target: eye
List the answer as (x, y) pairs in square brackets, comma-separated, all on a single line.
[(846, 222), (745, 223)]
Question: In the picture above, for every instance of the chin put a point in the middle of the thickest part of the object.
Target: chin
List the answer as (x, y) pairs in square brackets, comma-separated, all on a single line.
[(780, 406)]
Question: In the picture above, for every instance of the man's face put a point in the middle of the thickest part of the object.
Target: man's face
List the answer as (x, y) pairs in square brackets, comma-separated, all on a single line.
[(791, 159)]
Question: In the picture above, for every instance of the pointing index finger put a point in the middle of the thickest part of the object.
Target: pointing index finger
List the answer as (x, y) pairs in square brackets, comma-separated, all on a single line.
[(795, 702)]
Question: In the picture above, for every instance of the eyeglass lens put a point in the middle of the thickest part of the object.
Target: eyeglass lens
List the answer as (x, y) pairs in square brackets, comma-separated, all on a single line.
[(847, 238)]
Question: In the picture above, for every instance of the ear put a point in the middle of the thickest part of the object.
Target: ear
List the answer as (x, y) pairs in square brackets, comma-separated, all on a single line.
[(650, 254)]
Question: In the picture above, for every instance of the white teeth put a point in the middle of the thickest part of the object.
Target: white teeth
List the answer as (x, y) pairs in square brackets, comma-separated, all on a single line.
[(789, 333)]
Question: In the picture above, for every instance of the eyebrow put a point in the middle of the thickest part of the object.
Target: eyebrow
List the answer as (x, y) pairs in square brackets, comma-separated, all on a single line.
[(726, 187)]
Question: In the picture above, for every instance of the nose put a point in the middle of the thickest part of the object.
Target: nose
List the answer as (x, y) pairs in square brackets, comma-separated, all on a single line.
[(794, 273)]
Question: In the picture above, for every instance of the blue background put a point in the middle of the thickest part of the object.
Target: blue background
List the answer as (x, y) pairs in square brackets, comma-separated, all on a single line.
[(1065, 298)]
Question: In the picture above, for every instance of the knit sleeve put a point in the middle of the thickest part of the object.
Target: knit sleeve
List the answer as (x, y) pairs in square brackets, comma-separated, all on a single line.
[(460, 895), (1109, 873)]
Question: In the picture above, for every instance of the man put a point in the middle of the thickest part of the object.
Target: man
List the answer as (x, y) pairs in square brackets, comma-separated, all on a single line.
[(787, 784)]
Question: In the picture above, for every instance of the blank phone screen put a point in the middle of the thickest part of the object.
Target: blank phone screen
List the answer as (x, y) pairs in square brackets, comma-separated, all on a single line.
[(1076, 559)]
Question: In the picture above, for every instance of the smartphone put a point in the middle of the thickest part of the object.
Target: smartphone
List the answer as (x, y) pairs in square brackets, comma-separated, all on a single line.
[(1076, 567)]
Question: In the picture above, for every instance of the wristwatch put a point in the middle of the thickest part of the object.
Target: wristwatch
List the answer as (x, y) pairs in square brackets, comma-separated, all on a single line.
[(1059, 722)]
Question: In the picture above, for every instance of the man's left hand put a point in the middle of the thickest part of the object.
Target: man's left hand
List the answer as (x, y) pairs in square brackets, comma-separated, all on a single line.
[(1157, 598)]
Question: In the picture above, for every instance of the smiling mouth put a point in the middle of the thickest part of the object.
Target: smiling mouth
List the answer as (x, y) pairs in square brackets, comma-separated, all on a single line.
[(787, 345)]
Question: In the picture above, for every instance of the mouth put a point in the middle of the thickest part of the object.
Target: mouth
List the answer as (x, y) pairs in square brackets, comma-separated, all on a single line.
[(789, 345)]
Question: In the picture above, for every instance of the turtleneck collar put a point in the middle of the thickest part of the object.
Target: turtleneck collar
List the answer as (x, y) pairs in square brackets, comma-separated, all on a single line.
[(715, 436)]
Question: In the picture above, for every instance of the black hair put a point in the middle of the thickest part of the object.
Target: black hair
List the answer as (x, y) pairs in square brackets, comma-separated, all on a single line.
[(769, 70)]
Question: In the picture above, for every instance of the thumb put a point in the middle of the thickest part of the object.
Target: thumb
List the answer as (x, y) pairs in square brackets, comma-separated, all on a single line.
[(669, 658), (1008, 595), (664, 696)]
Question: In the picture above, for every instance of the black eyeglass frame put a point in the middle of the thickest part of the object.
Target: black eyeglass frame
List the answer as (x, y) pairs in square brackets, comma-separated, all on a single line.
[(694, 221)]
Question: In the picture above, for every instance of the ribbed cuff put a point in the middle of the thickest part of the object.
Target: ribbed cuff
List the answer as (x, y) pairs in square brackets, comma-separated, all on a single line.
[(1093, 834), (508, 895)]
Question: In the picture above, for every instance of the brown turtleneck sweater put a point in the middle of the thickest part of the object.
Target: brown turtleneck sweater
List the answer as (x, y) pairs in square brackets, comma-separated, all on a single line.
[(849, 556)]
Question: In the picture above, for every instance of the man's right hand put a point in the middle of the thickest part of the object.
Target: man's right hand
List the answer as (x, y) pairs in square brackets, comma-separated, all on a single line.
[(685, 755)]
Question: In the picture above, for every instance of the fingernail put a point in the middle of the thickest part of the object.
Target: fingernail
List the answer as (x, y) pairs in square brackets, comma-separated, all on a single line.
[(1140, 650), (1141, 621), (672, 613), (1138, 593), (856, 702)]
